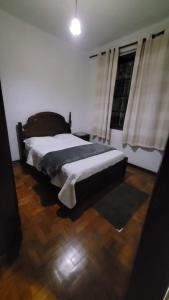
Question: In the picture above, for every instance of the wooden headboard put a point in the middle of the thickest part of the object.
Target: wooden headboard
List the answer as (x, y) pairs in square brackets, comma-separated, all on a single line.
[(41, 124)]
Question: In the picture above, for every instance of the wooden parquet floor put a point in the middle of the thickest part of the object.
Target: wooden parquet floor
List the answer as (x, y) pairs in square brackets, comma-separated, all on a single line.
[(70, 256)]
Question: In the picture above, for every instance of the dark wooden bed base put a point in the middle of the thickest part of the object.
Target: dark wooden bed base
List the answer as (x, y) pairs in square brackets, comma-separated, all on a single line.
[(49, 124), (101, 180)]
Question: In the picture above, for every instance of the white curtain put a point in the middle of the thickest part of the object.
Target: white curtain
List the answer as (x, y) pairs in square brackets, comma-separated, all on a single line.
[(147, 116), (106, 76)]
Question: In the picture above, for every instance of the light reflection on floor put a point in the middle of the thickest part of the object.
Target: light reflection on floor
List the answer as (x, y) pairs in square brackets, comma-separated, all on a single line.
[(70, 262)]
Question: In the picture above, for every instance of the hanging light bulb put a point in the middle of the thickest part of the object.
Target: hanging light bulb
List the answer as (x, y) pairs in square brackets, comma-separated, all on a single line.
[(75, 26)]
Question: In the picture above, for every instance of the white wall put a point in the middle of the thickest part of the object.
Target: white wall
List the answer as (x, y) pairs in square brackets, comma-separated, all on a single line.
[(148, 159), (40, 73)]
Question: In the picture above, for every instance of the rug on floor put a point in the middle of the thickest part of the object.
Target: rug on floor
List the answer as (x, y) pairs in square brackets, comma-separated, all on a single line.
[(118, 205)]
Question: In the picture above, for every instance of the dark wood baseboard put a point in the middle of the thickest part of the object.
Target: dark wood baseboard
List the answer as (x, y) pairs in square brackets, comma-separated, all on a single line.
[(141, 168), (16, 161)]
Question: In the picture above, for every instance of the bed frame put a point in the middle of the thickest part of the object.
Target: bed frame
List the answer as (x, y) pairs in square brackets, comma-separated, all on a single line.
[(50, 124), (39, 125)]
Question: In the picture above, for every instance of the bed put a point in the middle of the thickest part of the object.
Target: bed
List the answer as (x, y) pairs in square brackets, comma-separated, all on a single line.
[(48, 131)]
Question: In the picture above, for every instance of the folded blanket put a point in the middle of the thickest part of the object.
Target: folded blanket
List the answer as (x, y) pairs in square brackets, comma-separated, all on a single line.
[(53, 161)]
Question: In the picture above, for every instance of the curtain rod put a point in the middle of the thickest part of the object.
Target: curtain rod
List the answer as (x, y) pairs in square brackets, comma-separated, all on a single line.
[(131, 44)]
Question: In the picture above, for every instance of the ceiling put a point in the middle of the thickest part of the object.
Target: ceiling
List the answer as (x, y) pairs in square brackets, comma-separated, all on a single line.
[(102, 20)]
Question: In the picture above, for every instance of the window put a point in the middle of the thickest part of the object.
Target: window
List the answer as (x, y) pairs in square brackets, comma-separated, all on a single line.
[(122, 89)]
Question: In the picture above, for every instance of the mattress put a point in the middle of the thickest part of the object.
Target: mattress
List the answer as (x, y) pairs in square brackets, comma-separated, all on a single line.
[(74, 172)]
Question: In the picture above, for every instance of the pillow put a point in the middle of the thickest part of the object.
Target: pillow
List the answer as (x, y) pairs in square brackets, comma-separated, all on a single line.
[(63, 136), (33, 141)]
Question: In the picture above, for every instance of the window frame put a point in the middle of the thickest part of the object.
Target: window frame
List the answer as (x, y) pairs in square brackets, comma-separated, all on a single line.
[(124, 57)]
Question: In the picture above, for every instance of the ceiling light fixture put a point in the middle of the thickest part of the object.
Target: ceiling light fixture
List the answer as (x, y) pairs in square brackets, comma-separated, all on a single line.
[(75, 26)]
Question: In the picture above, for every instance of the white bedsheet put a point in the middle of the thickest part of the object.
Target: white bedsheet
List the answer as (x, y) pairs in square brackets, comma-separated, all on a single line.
[(75, 171)]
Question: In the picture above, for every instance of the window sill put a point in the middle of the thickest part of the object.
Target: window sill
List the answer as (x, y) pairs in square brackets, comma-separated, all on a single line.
[(113, 128)]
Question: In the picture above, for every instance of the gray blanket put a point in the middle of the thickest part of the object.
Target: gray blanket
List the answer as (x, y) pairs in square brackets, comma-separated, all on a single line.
[(53, 161)]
